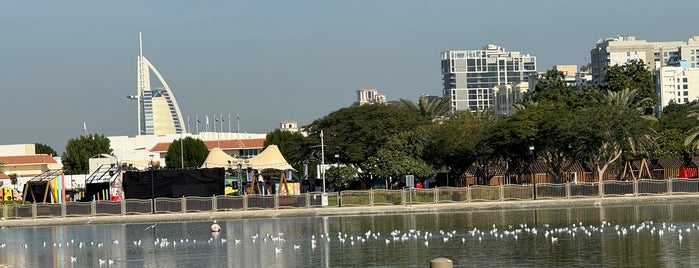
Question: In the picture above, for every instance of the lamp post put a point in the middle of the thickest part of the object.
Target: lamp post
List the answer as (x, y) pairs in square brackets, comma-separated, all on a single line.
[(322, 159), (152, 186), (181, 149), (240, 181), (337, 171), (531, 170)]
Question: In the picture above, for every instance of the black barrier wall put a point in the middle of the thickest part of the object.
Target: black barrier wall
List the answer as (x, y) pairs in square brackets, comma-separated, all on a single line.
[(174, 183)]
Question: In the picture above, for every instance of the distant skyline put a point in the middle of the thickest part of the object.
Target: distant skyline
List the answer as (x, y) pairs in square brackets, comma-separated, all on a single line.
[(65, 63)]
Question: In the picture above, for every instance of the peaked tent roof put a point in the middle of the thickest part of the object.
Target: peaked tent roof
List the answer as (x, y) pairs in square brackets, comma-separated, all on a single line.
[(270, 158), (218, 158)]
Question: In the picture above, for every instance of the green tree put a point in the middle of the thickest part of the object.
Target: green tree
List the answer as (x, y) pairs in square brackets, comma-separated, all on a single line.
[(195, 153), (356, 133), (341, 177), (633, 75), (79, 150), (556, 131), (457, 142), (676, 116), (670, 144), (41, 148)]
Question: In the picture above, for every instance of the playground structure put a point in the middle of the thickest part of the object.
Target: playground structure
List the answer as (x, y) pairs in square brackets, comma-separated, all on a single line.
[(47, 187)]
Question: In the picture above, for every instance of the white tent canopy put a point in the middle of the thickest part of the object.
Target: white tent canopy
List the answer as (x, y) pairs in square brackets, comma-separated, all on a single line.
[(218, 158), (270, 158)]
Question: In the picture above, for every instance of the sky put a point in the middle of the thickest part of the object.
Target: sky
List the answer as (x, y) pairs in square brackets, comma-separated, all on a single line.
[(63, 63)]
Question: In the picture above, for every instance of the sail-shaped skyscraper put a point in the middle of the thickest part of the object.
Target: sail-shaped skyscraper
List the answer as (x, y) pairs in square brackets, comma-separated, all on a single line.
[(158, 112)]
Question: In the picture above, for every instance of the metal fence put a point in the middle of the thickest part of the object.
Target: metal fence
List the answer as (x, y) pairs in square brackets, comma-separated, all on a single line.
[(381, 197)]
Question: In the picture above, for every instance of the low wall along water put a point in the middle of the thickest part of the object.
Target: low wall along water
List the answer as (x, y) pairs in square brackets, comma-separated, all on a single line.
[(363, 198)]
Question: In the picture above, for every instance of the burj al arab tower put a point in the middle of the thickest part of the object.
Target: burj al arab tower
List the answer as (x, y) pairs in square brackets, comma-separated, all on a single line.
[(158, 112)]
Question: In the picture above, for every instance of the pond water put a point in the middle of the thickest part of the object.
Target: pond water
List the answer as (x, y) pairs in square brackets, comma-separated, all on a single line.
[(664, 234)]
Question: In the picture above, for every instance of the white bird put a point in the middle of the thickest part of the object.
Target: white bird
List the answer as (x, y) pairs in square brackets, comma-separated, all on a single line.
[(297, 247), (73, 259), (215, 228), (277, 250)]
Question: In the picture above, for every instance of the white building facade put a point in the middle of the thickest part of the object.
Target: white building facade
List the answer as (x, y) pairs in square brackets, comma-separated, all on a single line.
[(678, 84), (469, 76), (368, 95), (625, 48)]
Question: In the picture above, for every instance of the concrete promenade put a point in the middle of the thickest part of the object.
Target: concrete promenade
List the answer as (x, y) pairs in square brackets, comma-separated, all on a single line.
[(348, 211)]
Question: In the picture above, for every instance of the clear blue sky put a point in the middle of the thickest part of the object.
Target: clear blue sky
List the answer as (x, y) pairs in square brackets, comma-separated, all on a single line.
[(65, 62)]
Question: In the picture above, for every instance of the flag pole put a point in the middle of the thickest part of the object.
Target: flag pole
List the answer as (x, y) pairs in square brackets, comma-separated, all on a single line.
[(197, 122)]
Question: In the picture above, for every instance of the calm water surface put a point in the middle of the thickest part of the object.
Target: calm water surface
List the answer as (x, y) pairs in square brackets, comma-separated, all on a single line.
[(658, 235)]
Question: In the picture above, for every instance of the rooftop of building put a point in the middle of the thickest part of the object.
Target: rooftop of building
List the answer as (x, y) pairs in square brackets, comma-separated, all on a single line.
[(27, 159), (223, 144)]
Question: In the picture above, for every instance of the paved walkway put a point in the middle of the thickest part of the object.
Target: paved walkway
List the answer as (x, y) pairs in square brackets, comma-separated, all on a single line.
[(346, 211)]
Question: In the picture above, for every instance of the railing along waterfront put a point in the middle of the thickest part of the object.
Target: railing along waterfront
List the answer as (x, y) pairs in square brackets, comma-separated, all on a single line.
[(379, 197)]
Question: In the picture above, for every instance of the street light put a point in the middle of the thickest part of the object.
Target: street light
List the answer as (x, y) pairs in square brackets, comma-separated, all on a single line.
[(337, 171), (240, 181), (531, 151), (152, 186), (322, 159)]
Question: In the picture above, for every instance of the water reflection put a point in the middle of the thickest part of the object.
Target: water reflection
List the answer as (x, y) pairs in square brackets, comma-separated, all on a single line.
[(650, 235)]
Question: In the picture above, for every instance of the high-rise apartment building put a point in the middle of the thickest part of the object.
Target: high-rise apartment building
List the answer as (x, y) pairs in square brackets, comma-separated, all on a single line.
[(675, 64), (469, 76), (678, 84), (624, 48)]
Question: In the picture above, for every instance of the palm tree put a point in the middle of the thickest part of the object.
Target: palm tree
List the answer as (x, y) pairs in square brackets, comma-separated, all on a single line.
[(431, 108), (621, 124), (693, 137)]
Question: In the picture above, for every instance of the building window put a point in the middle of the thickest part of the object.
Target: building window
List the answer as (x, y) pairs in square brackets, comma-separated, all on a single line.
[(684, 79), (684, 86), (686, 93), (248, 152)]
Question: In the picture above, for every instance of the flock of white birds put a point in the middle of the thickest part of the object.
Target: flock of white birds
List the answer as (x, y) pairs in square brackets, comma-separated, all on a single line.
[(283, 243)]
